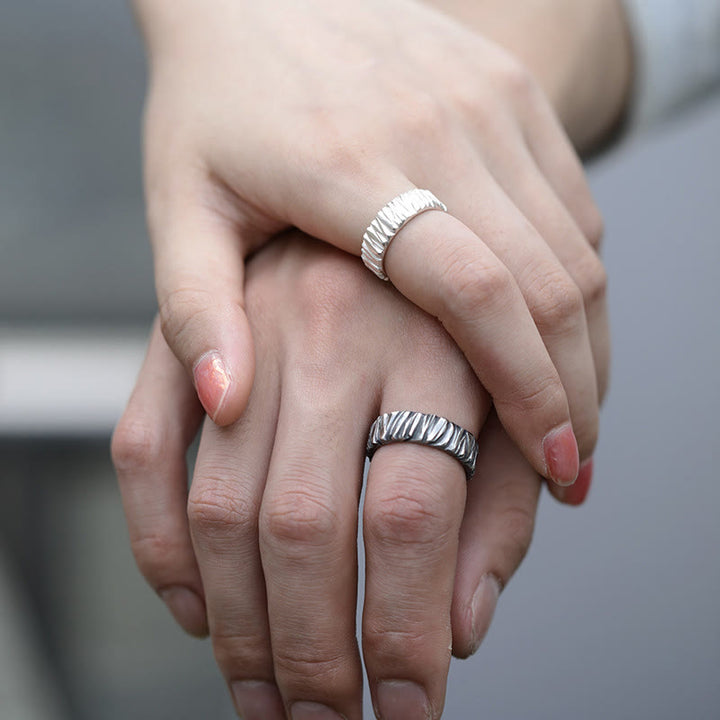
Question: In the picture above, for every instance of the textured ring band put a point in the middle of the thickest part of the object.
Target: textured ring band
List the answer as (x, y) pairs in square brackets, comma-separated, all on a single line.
[(431, 430), (387, 223)]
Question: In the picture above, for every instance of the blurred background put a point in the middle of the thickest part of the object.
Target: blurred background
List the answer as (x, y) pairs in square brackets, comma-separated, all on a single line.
[(615, 612)]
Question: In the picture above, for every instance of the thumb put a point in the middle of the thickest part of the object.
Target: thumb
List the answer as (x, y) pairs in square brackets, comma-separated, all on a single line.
[(199, 270)]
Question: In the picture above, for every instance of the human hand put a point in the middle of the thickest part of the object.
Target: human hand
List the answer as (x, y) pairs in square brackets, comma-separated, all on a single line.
[(273, 506), (263, 116)]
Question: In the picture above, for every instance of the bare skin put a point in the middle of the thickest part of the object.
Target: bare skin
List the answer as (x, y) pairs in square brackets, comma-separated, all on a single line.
[(263, 552), (348, 105), (234, 154)]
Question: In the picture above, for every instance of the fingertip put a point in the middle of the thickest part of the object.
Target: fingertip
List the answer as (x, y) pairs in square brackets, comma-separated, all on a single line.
[(223, 384), (562, 457), (473, 625), (188, 609), (212, 382), (577, 493)]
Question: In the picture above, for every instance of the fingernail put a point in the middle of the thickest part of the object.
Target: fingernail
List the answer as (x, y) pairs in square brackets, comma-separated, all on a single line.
[(212, 382), (187, 609), (257, 700), (561, 455), (482, 609), (577, 493), (313, 711), (402, 700)]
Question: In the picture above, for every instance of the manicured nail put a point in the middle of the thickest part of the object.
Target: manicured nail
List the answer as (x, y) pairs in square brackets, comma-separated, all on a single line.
[(257, 700), (482, 609), (212, 382), (402, 700), (187, 609), (313, 711), (577, 493), (561, 455)]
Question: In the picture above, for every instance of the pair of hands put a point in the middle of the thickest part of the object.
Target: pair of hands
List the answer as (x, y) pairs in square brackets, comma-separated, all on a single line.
[(262, 117), (263, 554)]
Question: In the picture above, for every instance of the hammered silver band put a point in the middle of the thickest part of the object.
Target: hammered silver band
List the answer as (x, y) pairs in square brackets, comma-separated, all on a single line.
[(431, 430), (387, 223)]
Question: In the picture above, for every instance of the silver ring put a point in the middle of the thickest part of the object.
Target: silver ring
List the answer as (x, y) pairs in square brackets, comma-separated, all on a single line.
[(431, 430), (387, 223)]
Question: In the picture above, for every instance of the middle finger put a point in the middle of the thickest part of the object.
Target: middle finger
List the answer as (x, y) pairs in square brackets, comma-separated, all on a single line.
[(308, 525)]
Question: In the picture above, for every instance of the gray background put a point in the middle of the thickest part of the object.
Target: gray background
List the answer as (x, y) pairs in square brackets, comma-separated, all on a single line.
[(614, 614)]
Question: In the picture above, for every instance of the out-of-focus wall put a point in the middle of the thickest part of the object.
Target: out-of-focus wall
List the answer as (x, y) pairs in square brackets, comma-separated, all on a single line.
[(614, 613), (72, 237)]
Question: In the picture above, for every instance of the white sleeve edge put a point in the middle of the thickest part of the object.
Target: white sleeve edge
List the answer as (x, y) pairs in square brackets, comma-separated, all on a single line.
[(677, 55)]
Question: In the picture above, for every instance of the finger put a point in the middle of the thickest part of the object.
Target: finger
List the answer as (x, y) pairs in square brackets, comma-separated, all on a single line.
[(495, 534), (557, 161), (148, 450), (561, 169), (413, 508), (557, 271), (201, 299), (577, 493), (223, 509), (462, 282), (553, 194), (308, 543)]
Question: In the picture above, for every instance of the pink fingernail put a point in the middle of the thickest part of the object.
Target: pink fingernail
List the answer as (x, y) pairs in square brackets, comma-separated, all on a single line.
[(212, 382), (187, 609), (561, 455), (577, 493), (482, 609), (402, 700), (257, 700)]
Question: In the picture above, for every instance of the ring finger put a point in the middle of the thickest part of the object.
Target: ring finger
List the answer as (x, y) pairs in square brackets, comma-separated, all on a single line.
[(413, 509)]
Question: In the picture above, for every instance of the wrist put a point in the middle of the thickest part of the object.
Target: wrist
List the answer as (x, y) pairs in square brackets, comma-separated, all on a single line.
[(579, 52)]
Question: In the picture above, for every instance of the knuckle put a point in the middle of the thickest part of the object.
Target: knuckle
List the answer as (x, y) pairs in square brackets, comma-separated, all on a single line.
[(240, 654), (299, 517), (424, 116), (518, 525), (587, 434), (217, 508), (593, 225), (466, 97), (470, 286), (181, 310), (516, 78), (397, 645), (157, 557), (556, 302), (137, 444), (313, 667), (408, 513), (540, 395), (335, 148), (591, 278)]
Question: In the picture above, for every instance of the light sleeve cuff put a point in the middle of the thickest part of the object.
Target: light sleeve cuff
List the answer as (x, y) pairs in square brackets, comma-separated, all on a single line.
[(677, 55)]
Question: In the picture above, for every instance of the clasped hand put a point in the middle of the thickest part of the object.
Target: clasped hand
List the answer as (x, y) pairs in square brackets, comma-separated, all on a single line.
[(267, 542), (348, 106)]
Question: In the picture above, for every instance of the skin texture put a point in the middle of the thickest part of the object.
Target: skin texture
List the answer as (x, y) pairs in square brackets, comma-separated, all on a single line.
[(348, 105), (266, 550), (579, 52), (234, 155)]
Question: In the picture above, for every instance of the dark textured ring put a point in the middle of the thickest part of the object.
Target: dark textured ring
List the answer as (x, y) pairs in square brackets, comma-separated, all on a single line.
[(431, 430)]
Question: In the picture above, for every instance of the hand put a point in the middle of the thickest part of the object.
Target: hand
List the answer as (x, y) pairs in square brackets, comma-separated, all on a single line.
[(263, 116), (274, 502)]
